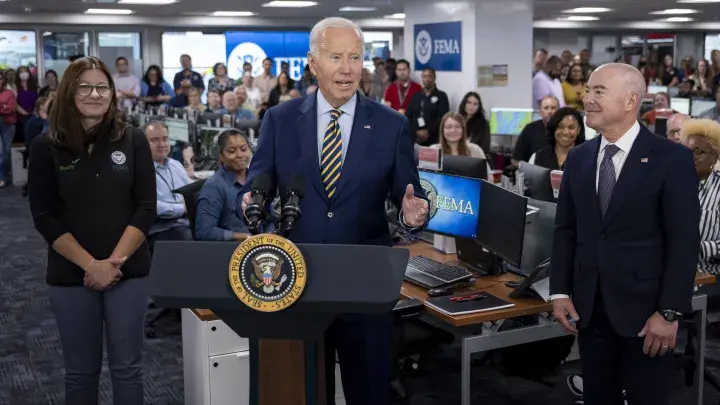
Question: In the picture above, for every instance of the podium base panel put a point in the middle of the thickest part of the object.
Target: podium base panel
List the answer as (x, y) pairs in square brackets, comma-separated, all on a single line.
[(288, 372)]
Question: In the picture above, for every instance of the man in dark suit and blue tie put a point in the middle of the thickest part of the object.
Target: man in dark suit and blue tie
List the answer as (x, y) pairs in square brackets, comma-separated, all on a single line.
[(626, 244), (354, 153)]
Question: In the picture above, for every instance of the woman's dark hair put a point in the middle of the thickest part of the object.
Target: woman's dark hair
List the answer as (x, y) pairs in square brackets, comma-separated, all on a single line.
[(156, 68), (554, 123), (52, 72), (216, 66), (65, 121), (287, 76), (224, 136), (582, 73), (466, 97), (31, 81)]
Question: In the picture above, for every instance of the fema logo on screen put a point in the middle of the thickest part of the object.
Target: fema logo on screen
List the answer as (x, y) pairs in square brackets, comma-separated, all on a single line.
[(246, 52), (423, 47)]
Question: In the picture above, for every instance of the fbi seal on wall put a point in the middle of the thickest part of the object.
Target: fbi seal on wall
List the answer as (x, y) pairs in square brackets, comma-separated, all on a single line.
[(267, 272), (432, 195)]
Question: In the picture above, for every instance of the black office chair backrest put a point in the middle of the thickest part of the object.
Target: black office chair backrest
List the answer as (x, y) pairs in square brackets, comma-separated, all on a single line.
[(191, 193)]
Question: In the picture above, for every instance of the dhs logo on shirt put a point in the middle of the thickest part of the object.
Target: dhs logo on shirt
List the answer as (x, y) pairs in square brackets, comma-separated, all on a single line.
[(119, 159)]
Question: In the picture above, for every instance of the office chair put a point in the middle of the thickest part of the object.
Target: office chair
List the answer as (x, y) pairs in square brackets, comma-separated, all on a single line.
[(685, 356), (413, 341), (190, 193)]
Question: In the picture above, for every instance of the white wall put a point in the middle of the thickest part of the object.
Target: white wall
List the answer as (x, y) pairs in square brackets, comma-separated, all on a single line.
[(556, 41), (481, 45), (455, 84), (504, 35), (689, 43)]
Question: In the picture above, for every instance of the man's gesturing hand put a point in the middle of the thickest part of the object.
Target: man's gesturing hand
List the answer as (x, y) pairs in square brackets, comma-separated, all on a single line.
[(414, 209), (564, 310), (659, 335)]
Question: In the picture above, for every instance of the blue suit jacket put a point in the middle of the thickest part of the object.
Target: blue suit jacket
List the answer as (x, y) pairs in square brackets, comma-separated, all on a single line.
[(643, 255), (379, 163)]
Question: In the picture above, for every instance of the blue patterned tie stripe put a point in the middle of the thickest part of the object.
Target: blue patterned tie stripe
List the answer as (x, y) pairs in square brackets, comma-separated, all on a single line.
[(331, 156), (607, 178)]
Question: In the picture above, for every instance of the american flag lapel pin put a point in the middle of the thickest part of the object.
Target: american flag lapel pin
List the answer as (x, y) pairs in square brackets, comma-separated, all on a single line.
[(644, 160)]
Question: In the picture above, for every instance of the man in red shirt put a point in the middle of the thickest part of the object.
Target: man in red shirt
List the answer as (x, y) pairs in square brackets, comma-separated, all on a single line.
[(399, 93)]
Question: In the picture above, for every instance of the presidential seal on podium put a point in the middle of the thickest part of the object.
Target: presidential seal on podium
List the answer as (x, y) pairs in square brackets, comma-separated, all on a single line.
[(267, 272)]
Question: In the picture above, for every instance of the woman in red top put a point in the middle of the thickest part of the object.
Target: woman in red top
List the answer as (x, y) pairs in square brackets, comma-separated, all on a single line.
[(8, 119), (660, 102)]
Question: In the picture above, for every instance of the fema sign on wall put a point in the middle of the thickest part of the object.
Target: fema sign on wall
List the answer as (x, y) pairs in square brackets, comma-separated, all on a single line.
[(438, 46), (254, 47)]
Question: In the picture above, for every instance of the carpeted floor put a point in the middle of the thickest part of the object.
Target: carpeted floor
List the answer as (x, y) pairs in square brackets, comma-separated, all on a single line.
[(31, 370)]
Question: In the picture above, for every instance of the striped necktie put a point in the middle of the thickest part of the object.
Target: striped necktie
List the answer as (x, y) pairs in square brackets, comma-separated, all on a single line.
[(331, 156)]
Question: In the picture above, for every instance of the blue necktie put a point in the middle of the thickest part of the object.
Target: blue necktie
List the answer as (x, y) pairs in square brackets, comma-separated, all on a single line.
[(607, 178), (331, 156)]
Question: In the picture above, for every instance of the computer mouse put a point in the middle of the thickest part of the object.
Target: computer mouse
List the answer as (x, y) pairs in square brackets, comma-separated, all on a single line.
[(439, 292)]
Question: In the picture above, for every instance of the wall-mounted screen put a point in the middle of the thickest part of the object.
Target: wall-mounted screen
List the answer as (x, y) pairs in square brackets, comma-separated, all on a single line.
[(254, 47)]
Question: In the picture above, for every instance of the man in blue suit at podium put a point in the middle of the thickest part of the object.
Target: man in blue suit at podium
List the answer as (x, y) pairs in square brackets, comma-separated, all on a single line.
[(353, 153)]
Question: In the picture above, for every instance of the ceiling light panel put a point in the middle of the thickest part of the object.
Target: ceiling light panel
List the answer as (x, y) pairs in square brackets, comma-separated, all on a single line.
[(588, 10), (148, 2), (233, 13), (290, 4), (351, 9), (674, 11), (108, 11), (579, 18)]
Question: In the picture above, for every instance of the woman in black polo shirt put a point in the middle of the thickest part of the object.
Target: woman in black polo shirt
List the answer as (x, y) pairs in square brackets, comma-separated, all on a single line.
[(92, 197)]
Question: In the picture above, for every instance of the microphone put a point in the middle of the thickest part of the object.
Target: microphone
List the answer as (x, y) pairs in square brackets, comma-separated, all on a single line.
[(291, 208), (255, 211)]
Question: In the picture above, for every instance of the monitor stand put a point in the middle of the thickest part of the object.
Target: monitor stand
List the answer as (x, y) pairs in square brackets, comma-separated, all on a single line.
[(444, 244)]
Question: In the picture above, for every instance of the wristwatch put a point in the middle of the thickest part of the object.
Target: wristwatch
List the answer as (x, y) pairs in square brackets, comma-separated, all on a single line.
[(670, 315)]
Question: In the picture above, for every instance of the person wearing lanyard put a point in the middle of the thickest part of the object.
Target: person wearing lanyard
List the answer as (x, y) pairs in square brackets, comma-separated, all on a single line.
[(172, 222), (400, 92), (92, 198), (426, 109)]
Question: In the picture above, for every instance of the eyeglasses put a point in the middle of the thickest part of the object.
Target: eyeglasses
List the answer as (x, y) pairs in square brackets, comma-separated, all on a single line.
[(699, 153), (85, 89)]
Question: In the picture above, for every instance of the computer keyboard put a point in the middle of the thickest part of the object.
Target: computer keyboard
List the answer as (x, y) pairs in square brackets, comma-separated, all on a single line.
[(435, 269)]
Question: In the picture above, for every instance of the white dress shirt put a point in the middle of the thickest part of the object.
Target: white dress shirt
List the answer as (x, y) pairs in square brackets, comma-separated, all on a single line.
[(625, 143)]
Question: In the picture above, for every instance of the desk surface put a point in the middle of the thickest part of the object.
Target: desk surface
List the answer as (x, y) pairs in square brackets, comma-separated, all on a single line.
[(494, 285)]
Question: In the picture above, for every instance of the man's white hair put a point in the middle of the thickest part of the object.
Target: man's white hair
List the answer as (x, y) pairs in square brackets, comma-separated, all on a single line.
[(318, 32)]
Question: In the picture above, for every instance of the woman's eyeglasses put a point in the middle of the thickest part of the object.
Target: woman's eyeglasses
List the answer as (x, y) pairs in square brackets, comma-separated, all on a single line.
[(85, 89)]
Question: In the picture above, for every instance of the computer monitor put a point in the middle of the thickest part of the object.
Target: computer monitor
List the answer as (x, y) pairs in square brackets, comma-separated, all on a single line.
[(250, 127), (454, 203), (661, 126), (699, 106), (537, 182), (501, 222), (681, 105), (465, 166), (656, 89), (509, 121), (211, 119), (539, 228), (178, 130)]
